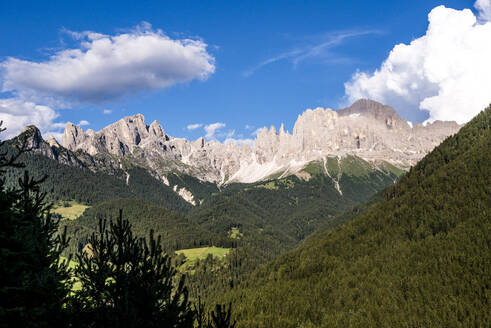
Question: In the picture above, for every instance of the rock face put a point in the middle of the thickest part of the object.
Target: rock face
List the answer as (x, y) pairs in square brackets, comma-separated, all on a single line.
[(367, 129)]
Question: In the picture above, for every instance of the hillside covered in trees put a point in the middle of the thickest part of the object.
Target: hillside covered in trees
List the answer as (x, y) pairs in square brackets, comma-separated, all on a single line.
[(65, 182), (176, 230), (269, 217), (420, 257)]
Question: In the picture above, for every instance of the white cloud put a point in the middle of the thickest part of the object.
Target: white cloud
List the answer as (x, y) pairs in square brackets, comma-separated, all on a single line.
[(83, 123), (239, 141), (195, 126), (484, 9), (210, 129), (16, 114), (446, 72), (107, 111), (249, 127), (105, 67), (317, 49)]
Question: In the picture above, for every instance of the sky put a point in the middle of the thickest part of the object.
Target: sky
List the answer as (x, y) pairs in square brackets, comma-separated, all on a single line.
[(223, 69)]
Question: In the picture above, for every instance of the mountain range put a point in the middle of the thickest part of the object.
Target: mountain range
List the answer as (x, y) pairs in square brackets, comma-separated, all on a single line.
[(372, 132), (367, 129)]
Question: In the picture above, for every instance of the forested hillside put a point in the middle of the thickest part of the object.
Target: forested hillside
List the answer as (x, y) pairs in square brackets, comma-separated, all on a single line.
[(420, 257), (271, 217), (176, 230), (65, 182)]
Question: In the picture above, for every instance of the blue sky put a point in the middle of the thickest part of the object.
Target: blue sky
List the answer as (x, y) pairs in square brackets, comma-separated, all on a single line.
[(271, 59)]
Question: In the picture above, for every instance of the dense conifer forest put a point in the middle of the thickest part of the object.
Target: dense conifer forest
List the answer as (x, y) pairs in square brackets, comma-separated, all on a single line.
[(64, 182), (418, 257)]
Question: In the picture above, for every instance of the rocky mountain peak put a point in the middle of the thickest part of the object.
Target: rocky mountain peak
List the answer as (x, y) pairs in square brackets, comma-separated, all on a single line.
[(32, 136), (72, 136), (371, 108), (155, 130), (52, 142), (282, 129)]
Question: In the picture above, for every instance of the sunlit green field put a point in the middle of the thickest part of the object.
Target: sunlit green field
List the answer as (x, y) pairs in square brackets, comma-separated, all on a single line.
[(192, 254), (70, 212)]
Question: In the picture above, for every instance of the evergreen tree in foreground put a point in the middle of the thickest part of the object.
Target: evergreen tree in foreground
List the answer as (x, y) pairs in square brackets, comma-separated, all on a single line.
[(221, 317), (34, 282), (128, 282)]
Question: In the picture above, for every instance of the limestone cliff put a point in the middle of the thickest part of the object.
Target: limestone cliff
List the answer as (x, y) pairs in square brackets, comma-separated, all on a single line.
[(367, 129)]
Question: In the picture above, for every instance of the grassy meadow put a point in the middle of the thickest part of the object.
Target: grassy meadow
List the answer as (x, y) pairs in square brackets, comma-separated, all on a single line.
[(71, 212)]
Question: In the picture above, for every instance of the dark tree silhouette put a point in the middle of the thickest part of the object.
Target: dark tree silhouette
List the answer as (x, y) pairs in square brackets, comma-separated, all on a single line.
[(34, 282), (129, 282), (222, 317)]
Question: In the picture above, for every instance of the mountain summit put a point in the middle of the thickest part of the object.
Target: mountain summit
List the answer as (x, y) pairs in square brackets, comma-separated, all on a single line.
[(367, 129)]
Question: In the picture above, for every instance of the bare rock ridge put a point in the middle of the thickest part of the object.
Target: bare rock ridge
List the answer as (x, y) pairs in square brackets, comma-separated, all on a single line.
[(367, 129)]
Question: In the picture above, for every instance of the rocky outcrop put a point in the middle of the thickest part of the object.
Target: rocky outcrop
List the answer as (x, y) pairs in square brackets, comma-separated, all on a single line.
[(52, 149), (367, 129), (73, 136)]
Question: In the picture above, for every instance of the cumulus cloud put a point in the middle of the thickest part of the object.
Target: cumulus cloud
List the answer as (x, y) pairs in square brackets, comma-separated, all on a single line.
[(446, 72), (16, 114), (484, 9), (239, 141), (100, 67), (211, 129), (195, 126), (83, 123), (105, 67)]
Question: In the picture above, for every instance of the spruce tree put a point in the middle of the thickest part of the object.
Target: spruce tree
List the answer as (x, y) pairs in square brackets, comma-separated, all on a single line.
[(129, 282), (34, 281)]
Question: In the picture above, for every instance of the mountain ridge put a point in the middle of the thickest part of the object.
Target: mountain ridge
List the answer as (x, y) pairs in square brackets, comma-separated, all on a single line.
[(367, 129), (321, 138)]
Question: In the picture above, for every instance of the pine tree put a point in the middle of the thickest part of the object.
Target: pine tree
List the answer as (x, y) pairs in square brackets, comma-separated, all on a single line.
[(129, 282), (34, 282), (222, 317)]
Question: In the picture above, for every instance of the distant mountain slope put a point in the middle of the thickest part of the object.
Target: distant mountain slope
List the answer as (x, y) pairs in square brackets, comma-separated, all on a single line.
[(296, 204), (421, 257), (65, 182)]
